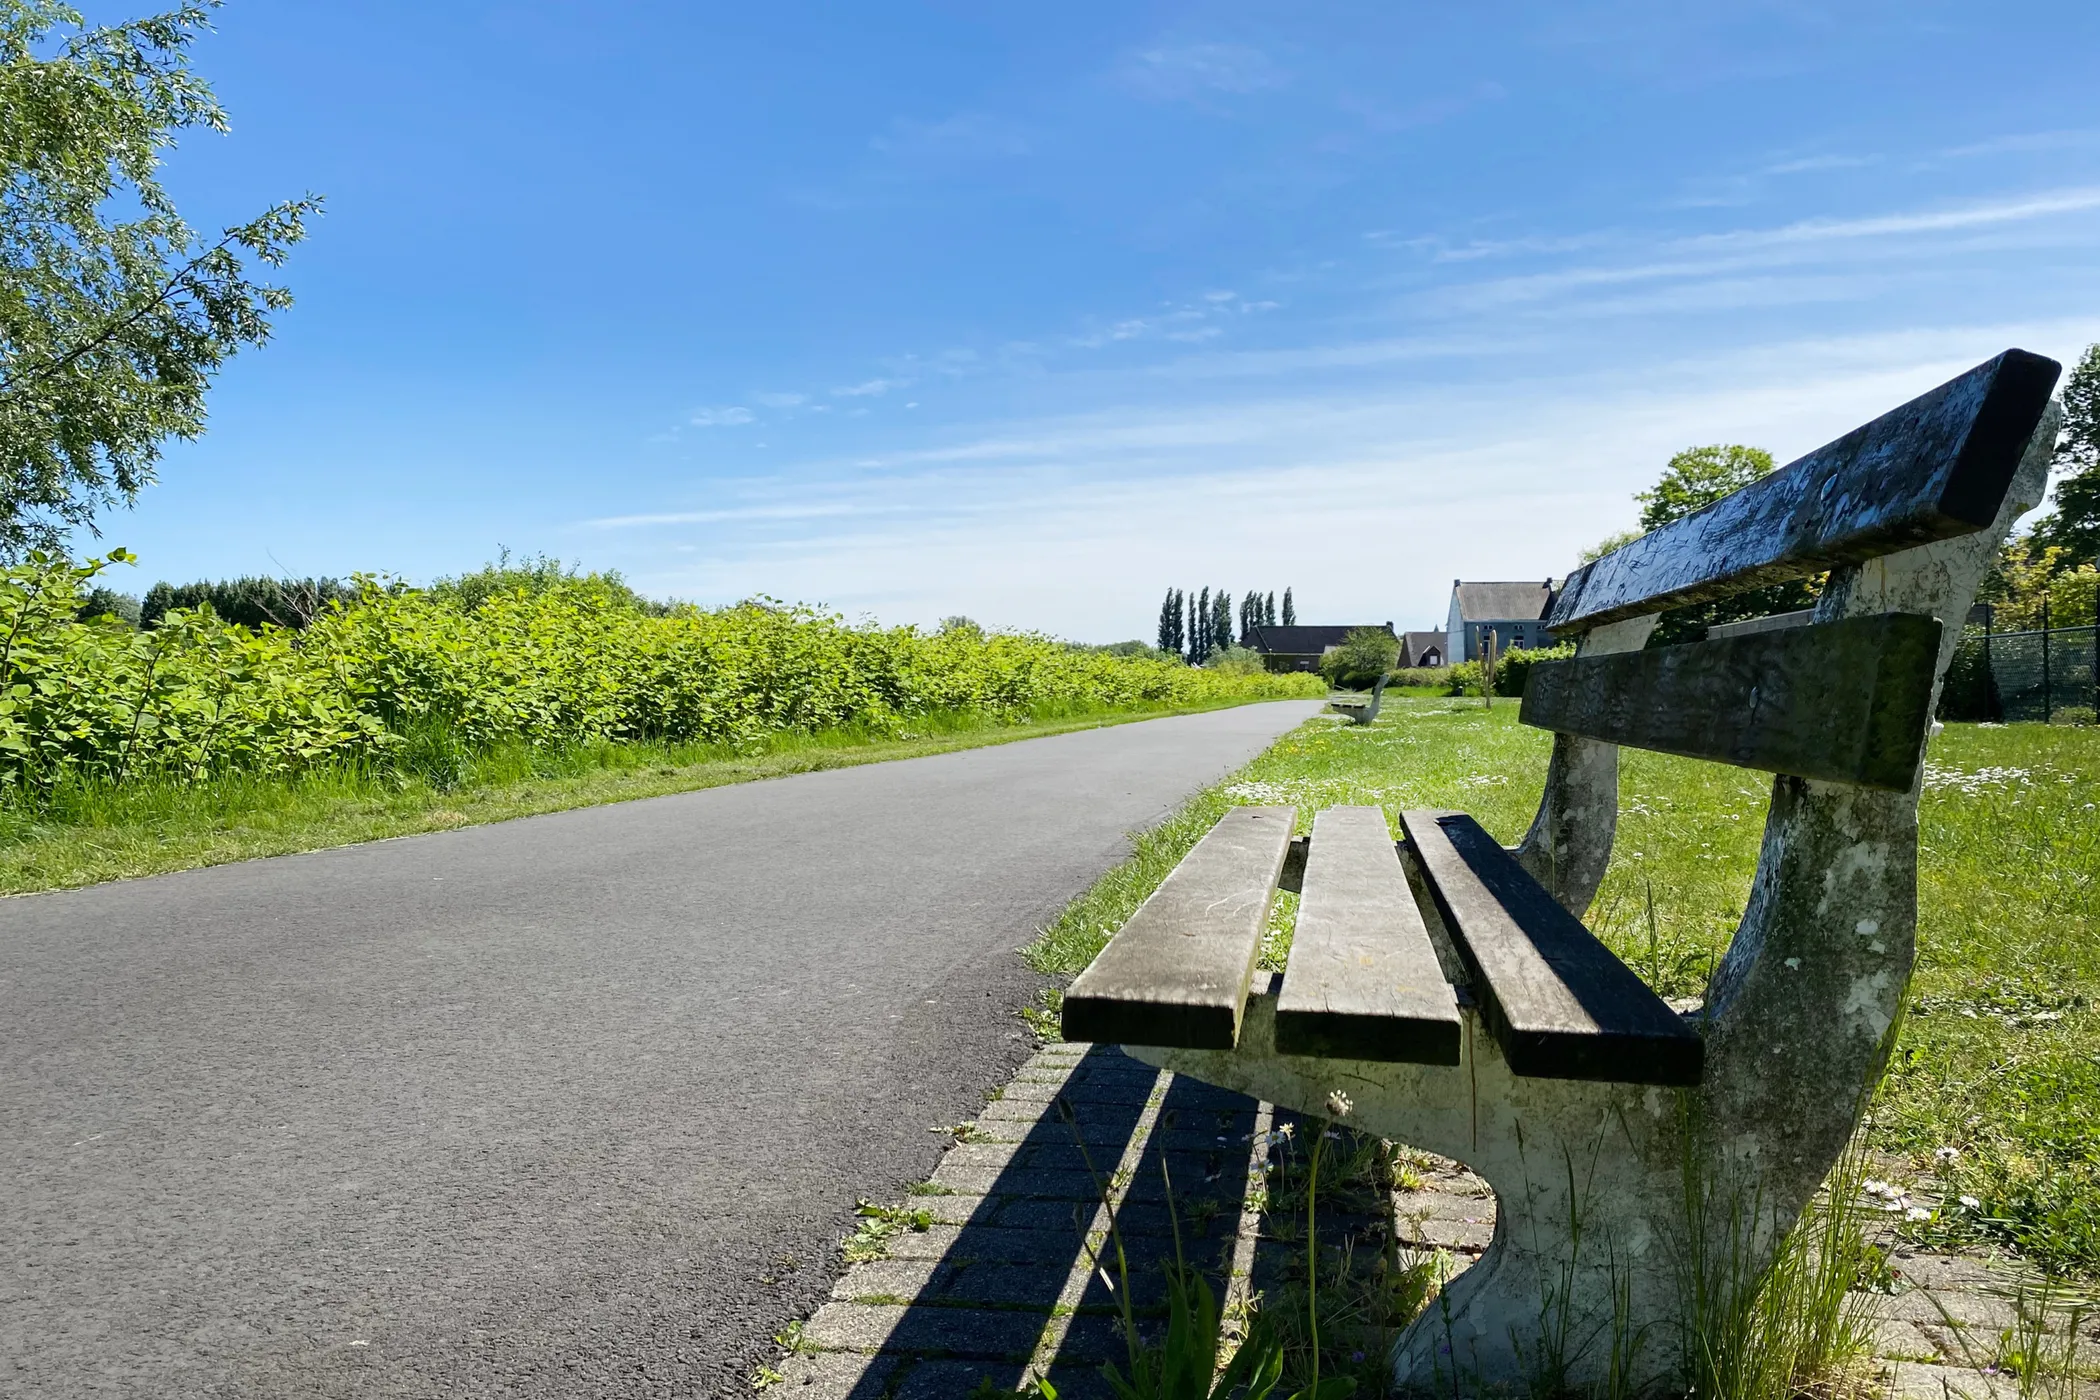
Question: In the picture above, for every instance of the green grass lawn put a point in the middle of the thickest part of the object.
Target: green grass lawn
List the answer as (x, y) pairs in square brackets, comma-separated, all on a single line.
[(80, 836), (1999, 1058)]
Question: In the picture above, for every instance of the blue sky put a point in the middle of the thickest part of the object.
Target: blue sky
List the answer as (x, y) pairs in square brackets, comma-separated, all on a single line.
[(1031, 311)]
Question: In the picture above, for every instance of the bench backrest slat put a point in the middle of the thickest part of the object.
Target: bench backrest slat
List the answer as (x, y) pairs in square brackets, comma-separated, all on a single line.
[(1363, 982), (1845, 701), (1557, 1001), (1935, 468), (1177, 973)]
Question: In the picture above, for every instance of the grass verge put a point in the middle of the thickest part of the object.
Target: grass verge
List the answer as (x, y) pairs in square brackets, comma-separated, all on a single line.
[(86, 834), (1987, 1110)]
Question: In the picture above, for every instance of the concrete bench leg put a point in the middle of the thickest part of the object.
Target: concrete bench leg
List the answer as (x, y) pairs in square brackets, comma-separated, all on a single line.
[(1589, 1188)]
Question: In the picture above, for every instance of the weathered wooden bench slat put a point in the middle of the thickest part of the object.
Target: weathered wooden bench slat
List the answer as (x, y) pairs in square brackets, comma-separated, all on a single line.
[(1937, 467), (1177, 973), (1363, 981), (1557, 1001), (1845, 701)]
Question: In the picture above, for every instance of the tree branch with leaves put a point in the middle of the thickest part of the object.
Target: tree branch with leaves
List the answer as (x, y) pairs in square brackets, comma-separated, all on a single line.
[(115, 315)]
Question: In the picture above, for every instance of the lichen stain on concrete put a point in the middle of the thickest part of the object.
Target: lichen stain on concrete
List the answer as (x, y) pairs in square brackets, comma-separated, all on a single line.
[(1870, 995)]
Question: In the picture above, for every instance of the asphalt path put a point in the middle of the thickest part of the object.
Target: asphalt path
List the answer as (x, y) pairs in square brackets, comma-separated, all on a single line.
[(575, 1105)]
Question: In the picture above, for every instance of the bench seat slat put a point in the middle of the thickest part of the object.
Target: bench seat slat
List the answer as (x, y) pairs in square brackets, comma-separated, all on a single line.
[(1177, 973), (1937, 467), (1363, 981), (1557, 1001), (1845, 701)]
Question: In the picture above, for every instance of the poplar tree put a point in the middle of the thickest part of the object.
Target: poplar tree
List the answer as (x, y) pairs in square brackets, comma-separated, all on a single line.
[(1204, 617), (1290, 610), (1188, 639), (1269, 609), (1167, 609), (1221, 621)]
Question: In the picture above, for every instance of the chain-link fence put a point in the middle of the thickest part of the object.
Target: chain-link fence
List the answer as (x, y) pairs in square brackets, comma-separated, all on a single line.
[(2039, 675)]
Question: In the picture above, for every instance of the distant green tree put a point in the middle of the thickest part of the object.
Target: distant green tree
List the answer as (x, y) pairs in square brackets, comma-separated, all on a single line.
[(1191, 631), (2074, 526), (1618, 540), (1693, 480), (1364, 655), (1699, 476), (1220, 622), (536, 574), (1290, 610), (956, 622), (107, 602), (1200, 652), (1167, 610), (114, 313), (251, 602), (1268, 610)]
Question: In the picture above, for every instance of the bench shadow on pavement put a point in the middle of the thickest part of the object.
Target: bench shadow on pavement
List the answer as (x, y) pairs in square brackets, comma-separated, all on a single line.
[(1017, 1285)]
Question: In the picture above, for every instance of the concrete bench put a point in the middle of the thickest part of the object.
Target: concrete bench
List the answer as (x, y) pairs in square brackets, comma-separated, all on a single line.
[(1447, 986), (1359, 706)]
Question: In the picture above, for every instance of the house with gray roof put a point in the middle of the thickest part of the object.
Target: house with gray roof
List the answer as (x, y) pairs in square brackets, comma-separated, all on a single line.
[(1300, 647), (1514, 612), (1424, 648)]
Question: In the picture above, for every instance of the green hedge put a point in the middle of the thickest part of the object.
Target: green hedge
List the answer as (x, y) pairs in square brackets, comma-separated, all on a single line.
[(405, 676), (1513, 668)]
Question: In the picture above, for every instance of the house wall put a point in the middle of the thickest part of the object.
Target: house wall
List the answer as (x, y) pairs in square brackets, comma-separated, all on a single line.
[(1510, 632), (1463, 635)]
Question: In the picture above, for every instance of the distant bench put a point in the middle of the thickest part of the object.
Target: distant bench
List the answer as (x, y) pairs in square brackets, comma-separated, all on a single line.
[(1360, 707), (1448, 987)]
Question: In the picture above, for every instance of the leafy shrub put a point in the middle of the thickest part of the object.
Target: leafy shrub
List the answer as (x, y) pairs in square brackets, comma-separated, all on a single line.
[(1237, 661), (1364, 655), (1513, 668), (1463, 678), (1439, 676), (1133, 648), (420, 680)]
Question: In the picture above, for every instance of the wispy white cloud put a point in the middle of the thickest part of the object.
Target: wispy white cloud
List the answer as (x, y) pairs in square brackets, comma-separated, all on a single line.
[(1185, 72), (780, 400), (1512, 247), (1192, 321), (728, 416), (868, 388), (2076, 139), (2001, 211), (1751, 186), (815, 511), (1733, 252), (1805, 165)]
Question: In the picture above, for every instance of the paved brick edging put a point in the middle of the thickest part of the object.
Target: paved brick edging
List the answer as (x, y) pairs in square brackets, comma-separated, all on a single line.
[(998, 1289)]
